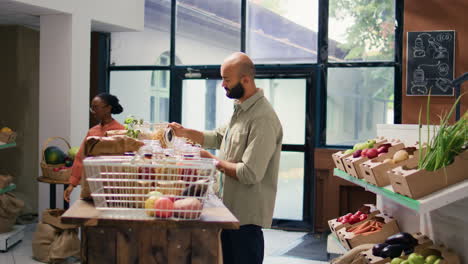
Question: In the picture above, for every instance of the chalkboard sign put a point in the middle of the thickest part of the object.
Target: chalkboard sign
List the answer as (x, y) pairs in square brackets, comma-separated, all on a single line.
[(430, 63)]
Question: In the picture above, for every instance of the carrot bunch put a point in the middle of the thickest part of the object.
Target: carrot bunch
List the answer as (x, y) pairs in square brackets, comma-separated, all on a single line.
[(366, 228)]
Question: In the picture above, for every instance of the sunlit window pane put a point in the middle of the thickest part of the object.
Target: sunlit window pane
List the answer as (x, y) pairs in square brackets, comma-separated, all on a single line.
[(144, 94), (282, 31), (207, 31), (361, 30), (357, 100)]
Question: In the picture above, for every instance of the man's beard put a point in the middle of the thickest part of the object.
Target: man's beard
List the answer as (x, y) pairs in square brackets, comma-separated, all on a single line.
[(235, 92)]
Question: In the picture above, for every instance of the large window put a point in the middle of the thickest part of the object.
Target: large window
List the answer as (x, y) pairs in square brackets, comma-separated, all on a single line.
[(282, 31), (330, 68)]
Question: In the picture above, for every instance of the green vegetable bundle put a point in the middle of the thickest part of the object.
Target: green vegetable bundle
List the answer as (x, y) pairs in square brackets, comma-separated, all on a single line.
[(448, 142), (130, 123)]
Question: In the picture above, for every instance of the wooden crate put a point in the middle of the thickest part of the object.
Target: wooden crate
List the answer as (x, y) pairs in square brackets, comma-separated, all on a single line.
[(415, 183)]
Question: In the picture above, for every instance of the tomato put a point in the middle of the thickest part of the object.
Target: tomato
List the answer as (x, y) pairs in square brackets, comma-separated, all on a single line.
[(163, 207)]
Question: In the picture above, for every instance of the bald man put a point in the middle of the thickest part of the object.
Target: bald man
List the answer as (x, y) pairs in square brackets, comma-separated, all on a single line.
[(250, 147)]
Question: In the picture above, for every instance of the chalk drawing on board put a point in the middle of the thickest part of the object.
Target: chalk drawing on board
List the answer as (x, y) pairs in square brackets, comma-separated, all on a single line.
[(430, 63)]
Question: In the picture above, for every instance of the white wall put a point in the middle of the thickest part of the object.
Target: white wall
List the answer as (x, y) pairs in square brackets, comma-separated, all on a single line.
[(65, 67)]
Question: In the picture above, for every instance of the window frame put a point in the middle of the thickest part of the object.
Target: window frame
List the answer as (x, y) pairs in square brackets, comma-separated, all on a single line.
[(316, 103)]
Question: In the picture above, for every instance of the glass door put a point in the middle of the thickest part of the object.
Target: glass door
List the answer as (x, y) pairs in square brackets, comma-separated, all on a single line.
[(204, 106)]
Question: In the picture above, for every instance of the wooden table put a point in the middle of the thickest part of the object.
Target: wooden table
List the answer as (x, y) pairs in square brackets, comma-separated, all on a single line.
[(52, 190), (105, 239)]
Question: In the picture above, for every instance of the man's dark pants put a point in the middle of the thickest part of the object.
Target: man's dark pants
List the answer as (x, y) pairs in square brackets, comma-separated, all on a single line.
[(243, 246)]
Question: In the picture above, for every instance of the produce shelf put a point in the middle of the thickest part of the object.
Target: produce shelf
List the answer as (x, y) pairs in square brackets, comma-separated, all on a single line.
[(9, 145), (9, 188), (424, 205)]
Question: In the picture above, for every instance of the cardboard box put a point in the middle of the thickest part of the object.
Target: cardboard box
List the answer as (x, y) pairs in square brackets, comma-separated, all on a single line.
[(335, 225), (7, 137), (449, 257), (54, 217), (338, 159), (375, 171), (415, 183), (353, 165), (369, 258), (349, 240)]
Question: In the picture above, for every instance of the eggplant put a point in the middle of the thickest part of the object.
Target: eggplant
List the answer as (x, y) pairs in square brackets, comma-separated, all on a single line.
[(401, 238), (408, 250), (377, 249), (392, 251)]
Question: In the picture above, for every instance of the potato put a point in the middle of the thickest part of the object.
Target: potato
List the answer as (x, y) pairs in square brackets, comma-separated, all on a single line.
[(400, 155), (187, 208), (389, 161)]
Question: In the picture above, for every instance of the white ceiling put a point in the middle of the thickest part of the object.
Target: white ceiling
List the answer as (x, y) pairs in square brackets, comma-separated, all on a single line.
[(14, 13)]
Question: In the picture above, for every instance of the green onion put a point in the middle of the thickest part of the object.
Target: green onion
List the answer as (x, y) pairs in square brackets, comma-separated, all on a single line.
[(448, 142)]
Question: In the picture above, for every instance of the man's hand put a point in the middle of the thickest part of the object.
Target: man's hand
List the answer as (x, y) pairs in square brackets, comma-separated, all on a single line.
[(177, 128), (193, 135), (207, 154), (226, 167)]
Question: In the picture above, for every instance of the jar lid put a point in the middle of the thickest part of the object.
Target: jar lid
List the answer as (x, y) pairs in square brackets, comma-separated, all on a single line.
[(169, 136)]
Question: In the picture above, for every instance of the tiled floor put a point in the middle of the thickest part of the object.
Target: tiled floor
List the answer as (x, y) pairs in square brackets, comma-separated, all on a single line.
[(277, 243)]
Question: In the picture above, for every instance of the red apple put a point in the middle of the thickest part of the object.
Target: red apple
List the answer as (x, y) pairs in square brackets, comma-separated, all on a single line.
[(364, 153), (357, 153), (382, 149), (362, 217), (353, 219), (372, 153), (358, 213), (163, 207)]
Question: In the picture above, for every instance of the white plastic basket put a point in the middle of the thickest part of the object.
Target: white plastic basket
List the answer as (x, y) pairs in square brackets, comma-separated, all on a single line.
[(119, 186)]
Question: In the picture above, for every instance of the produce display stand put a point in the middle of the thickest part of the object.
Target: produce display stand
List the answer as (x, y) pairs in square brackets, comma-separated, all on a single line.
[(110, 239), (53, 190), (442, 215), (9, 145)]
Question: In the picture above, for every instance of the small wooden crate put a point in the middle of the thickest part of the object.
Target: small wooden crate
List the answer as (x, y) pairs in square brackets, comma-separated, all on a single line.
[(415, 183)]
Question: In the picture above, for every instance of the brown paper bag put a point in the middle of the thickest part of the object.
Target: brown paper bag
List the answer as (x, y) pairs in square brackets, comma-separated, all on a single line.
[(52, 244), (5, 180), (115, 145), (42, 241), (65, 245), (10, 208)]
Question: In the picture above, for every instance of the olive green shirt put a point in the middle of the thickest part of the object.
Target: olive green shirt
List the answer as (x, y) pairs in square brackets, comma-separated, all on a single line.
[(252, 139)]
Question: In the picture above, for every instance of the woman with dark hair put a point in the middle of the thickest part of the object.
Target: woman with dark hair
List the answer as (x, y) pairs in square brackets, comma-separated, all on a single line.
[(102, 107)]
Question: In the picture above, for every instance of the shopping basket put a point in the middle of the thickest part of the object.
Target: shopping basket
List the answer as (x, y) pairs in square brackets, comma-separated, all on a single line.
[(123, 187)]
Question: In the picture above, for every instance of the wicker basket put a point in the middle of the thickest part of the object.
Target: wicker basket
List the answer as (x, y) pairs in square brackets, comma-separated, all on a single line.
[(48, 169)]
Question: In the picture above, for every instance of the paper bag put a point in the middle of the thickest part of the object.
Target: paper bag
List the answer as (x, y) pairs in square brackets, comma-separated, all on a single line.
[(10, 208), (52, 244), (115, 145)]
